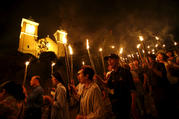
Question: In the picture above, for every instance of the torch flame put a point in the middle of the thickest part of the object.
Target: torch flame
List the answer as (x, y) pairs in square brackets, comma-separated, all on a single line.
[(157, 38), (138, 46), (27, 63), (141, 38), (156, 45), (112, 46), (121, 51), (70, 49), (87, 44), (83, 63), (100, 49), (175, 43), (129, 55), (53, 64), (132, 55)]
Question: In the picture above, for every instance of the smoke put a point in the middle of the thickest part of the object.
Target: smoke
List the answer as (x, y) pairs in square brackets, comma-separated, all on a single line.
[(117, 23)]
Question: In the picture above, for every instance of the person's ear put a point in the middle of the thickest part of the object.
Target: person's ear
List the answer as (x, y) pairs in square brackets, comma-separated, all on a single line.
[(56, 80), (87, 76), (3, 91)]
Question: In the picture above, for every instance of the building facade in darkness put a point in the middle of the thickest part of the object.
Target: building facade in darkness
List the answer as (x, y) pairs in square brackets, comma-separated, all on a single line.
[(29, 42)]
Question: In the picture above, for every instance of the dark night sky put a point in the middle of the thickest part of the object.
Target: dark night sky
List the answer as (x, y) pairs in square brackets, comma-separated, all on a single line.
[(94, 19)]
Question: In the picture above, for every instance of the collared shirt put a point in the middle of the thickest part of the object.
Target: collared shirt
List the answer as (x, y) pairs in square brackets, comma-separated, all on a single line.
[(35, 98), (80, 88), (122, 84), (60, 105), (91, 104)]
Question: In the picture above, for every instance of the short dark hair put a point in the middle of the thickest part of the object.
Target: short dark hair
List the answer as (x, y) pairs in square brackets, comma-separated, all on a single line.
[(112, 56), (152, 56), (88, 70), (165, 57), (15, 90), (58, 77), (171, 52)]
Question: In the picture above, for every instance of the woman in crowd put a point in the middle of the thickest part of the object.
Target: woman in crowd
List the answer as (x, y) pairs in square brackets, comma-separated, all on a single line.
[(60, 108)]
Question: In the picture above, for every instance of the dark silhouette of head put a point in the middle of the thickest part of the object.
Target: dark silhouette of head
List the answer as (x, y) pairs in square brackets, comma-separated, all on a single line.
[(15, 90), (88, 70), (58, 77)]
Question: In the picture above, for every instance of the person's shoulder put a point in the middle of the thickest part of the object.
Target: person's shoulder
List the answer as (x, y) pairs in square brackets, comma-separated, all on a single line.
[(39, 88), (60, 87), (160, 64), (177, 59), (95, 86), (123, 70)]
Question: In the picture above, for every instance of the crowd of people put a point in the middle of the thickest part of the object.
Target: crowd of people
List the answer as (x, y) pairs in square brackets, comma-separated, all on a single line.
[(139, 89)]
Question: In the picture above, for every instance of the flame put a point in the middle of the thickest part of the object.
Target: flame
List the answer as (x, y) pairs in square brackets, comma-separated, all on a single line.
[(138, 45), (112, 46), (129, 55), (156, 45), (100, 49), (148, 46), (87, 44), (175, 43), (121, 51), (83, 63), (53, 64), (163, 45), (141, 38), (157, 38), (132, 55), (70, 49), (27, 63)]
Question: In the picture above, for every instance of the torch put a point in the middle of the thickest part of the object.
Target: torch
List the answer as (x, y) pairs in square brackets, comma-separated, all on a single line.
[(71, 59), (52, 65), (25, 74), (101, 54), (138, 46), (66, 56), (83, 62), (91, 61), (143, 45)]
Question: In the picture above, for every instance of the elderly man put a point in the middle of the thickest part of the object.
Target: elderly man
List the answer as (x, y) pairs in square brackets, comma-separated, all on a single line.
[(91, 104)]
